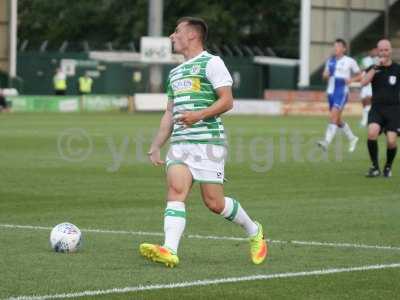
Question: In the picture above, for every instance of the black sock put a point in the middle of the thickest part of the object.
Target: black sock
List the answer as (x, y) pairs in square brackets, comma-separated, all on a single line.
[(373, 152), (390, 154)]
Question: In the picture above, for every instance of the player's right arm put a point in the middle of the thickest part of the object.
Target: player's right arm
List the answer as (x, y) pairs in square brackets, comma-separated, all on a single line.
[(163, 134), (325, 73)]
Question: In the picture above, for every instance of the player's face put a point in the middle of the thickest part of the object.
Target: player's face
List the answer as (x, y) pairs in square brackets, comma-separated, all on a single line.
[(339, 49), (180, 37)]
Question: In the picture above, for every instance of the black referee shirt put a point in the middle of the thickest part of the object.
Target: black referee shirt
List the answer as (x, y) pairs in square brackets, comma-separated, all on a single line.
[(386, 85)]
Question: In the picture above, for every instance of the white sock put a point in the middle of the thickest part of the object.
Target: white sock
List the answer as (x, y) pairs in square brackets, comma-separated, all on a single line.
[(330, 132), (365, 112), (174, 224), (347, 131), (234, 212)]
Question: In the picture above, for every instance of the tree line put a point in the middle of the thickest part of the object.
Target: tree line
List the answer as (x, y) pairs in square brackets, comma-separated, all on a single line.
[(261, 23)]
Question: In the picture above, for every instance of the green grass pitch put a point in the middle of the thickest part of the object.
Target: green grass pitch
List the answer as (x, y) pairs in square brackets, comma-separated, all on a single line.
[(91, 170)]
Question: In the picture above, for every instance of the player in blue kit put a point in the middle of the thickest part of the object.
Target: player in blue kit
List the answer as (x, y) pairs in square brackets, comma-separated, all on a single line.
[(340, 71)]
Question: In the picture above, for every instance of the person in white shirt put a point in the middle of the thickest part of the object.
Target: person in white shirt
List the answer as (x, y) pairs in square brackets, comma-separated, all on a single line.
[(366, 91)]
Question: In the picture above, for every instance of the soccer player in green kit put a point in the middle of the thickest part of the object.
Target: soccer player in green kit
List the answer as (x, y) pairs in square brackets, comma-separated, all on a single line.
[(199, 91)]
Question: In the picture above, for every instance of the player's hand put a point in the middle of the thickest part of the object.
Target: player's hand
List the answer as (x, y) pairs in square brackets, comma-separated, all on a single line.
[(155, 157), (188, 118), (381, 61), (326, 74)]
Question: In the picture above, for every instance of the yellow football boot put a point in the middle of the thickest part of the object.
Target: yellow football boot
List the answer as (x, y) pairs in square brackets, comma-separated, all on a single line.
[(159, 254), (258, 246)]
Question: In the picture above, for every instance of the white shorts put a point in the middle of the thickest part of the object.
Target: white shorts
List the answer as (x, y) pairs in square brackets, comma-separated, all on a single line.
[(205, 161), (366, 91)]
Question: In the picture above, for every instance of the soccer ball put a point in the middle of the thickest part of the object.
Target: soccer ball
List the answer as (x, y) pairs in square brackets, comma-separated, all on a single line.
[(65, 237)]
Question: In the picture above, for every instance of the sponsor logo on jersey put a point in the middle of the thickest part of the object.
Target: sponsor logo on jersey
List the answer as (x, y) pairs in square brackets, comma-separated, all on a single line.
[(392, 80), (186, 85)]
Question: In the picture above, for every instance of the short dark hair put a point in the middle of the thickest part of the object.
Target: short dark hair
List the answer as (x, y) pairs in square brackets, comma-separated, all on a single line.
[(199, 24), (341, 41)]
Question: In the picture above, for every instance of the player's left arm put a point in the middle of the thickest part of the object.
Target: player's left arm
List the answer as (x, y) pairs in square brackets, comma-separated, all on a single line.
[(356, 73), (221, 80), (223, 104), (355, 78)]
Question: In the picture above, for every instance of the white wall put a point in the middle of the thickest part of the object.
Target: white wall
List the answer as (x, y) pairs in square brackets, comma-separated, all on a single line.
[(329, 20)]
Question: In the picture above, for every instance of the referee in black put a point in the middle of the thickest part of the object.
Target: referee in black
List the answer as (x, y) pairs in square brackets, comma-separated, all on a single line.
[(384, 115)]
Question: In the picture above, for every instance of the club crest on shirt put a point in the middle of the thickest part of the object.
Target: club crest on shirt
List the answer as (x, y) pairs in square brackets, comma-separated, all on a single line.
[(392, 80), (195, 70)]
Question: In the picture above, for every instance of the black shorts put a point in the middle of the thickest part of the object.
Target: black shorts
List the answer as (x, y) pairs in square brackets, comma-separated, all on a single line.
[(387, 116)]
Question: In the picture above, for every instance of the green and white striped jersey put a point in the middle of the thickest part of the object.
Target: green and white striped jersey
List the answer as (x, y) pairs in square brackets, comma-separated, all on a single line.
[(191, 86)]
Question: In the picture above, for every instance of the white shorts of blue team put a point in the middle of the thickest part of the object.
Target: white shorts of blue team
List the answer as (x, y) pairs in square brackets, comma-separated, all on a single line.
[(206, 162), (366, 91)]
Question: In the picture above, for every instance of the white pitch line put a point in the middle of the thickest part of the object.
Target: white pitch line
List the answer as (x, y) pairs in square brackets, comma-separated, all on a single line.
[(131, 289), (344, 245), (211, 237)]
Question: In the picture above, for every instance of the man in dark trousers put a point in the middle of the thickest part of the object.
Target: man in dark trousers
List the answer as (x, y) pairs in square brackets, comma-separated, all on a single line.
[(384, 115)]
